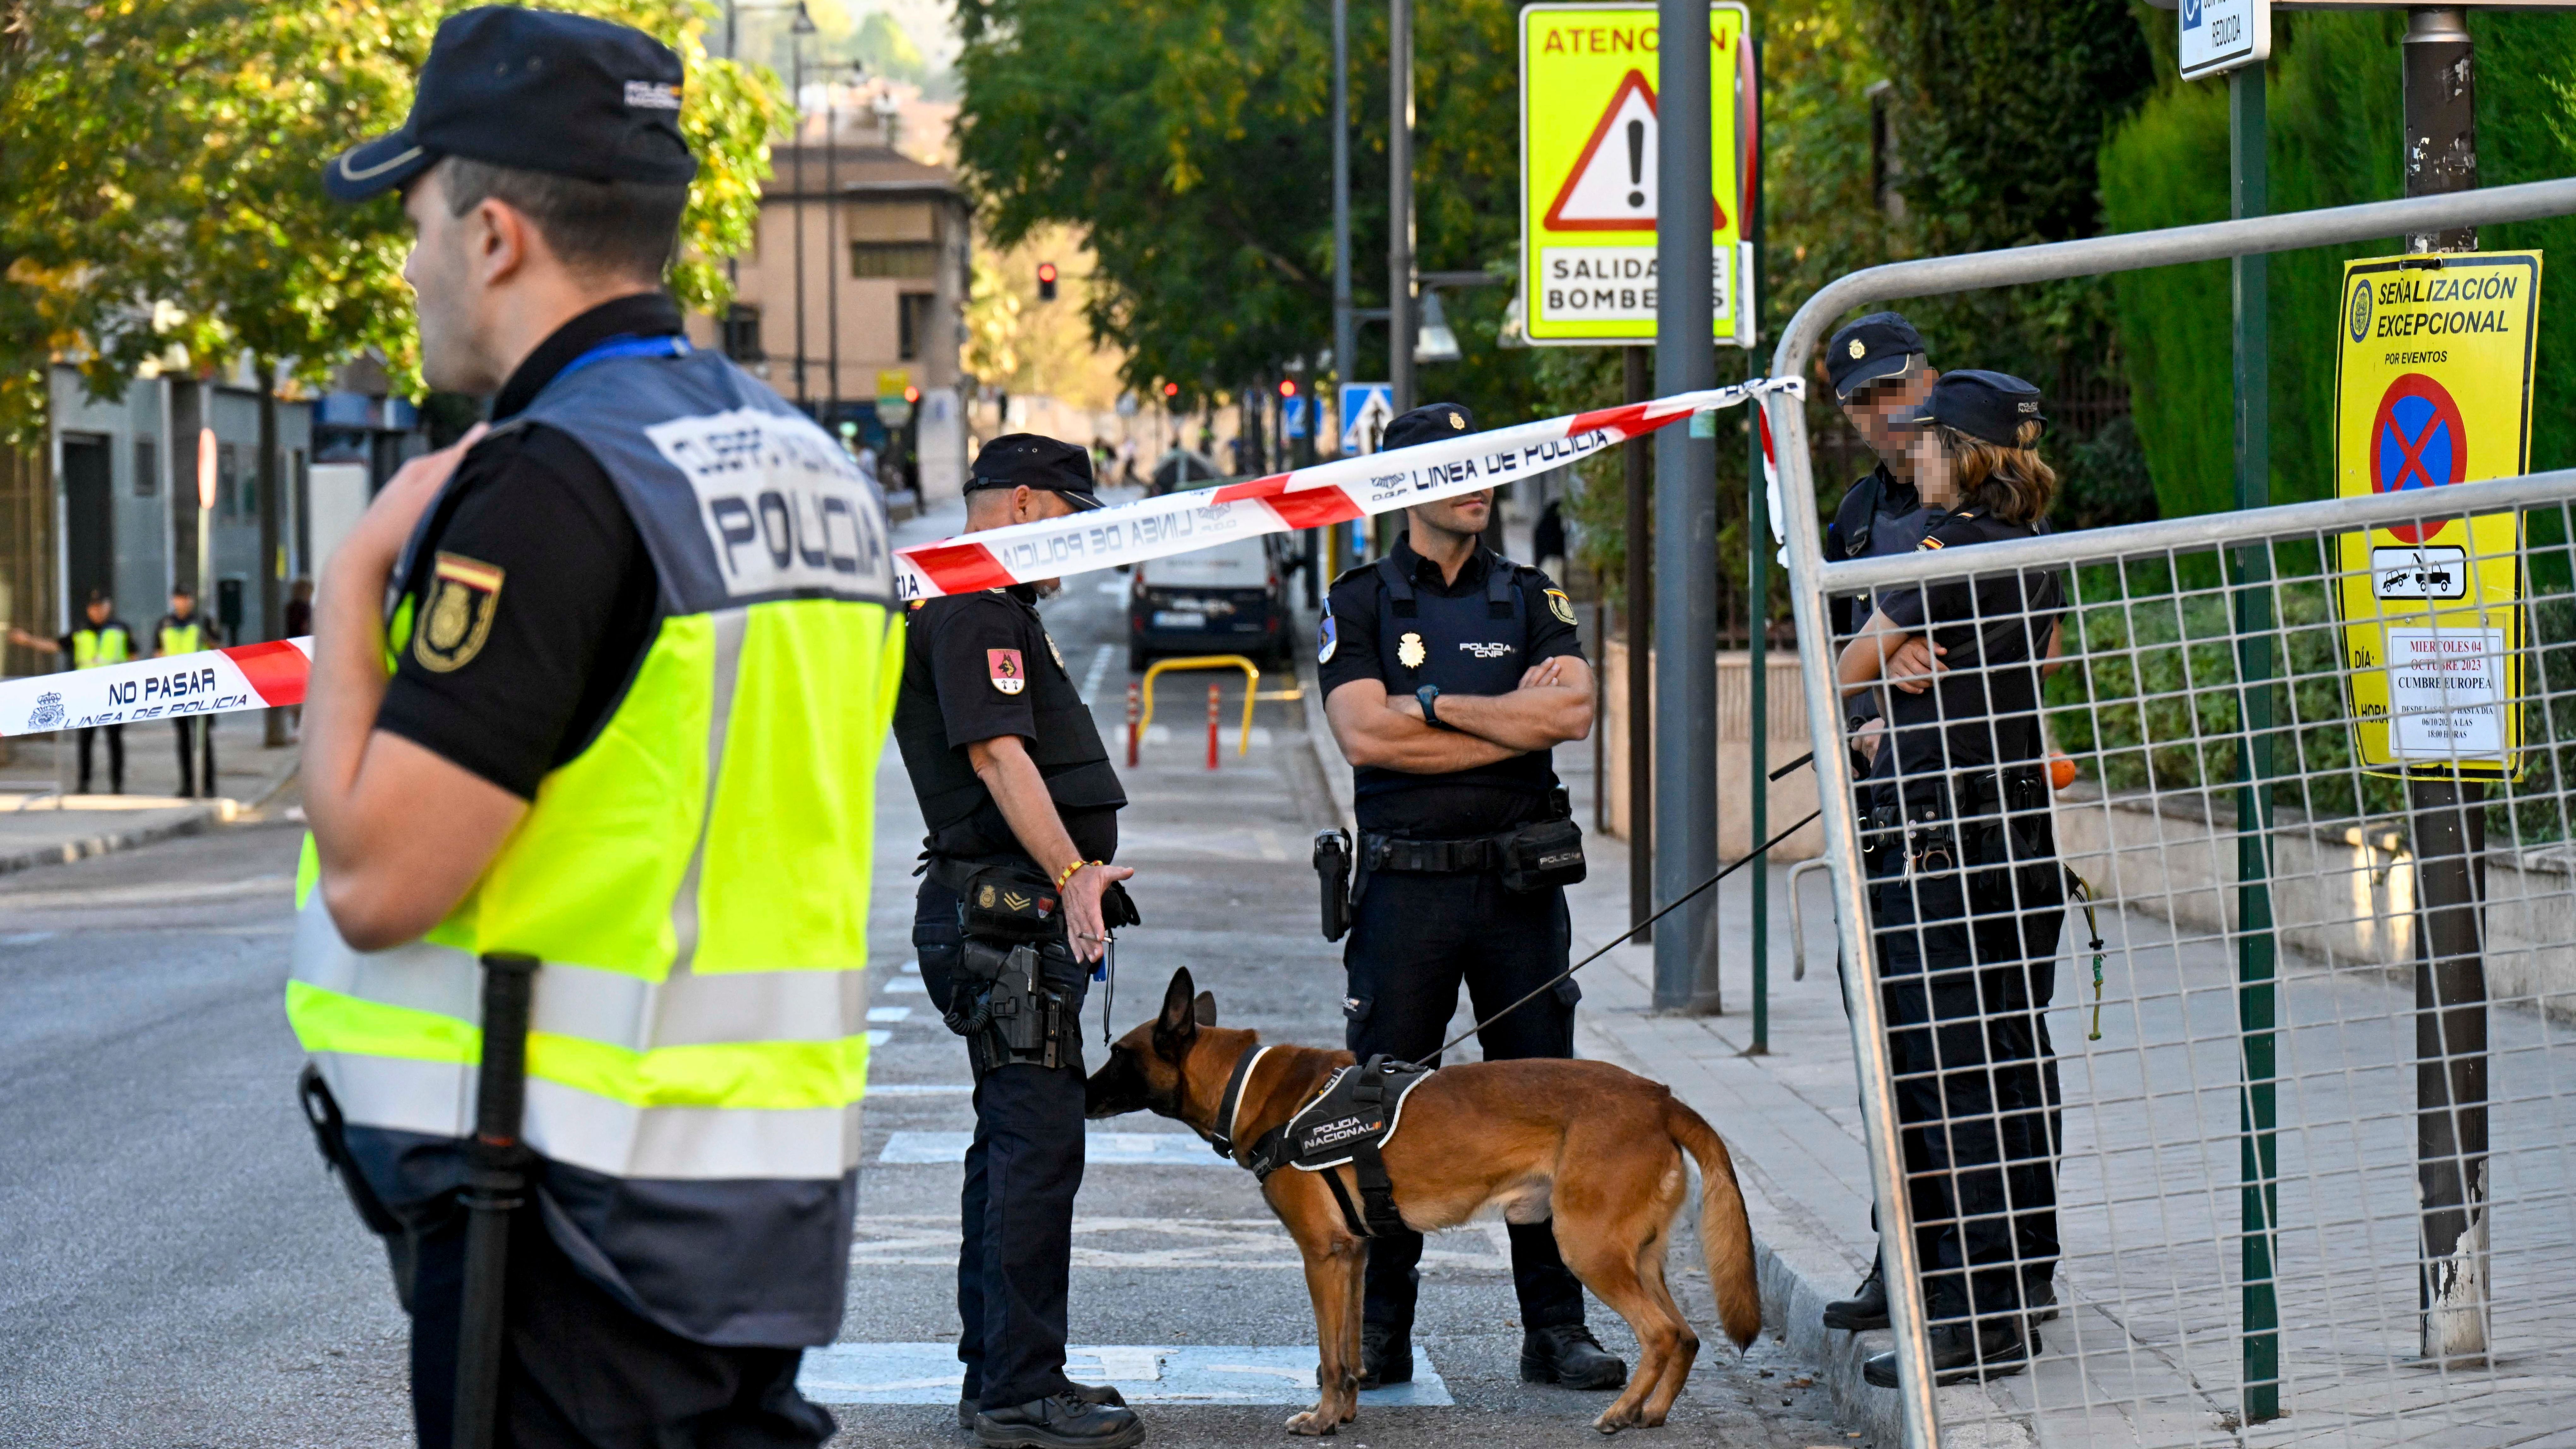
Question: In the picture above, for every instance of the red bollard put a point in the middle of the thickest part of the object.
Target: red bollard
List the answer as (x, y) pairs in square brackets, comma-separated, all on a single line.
[(1135, 708), (1212, 726)]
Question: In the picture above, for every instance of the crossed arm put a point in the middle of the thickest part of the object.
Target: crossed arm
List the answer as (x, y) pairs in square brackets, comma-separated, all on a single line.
[(1553, 704)]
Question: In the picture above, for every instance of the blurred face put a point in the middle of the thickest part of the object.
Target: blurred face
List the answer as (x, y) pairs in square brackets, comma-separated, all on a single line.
[(1936, 472), (1464, 515), (99, 609), (1871, 408), (1001, 507), (182, 605)]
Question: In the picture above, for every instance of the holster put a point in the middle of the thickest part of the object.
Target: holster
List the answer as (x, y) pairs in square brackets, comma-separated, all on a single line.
[(1006, 1009), (1333, 873)]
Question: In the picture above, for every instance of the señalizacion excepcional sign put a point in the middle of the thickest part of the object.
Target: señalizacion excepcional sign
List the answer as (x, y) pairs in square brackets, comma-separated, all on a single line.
[(2432, 388)]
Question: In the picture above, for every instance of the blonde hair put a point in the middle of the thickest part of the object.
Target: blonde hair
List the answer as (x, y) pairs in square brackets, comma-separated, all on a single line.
[(2007, 483)]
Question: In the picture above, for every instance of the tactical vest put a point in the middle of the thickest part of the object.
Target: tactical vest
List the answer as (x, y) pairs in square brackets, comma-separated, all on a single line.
[(1068, 751), (1475, 643), (695, 882), (104, 644), (185, 638)]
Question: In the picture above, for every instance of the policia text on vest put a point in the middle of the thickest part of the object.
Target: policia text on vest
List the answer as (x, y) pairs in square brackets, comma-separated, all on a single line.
[(586, 735), (1015, 904), (1449, 673)]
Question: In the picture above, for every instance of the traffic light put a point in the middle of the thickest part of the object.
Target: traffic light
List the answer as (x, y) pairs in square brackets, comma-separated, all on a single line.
[(1046, 281), (1287, 387), (1171, 389), (911, 394)]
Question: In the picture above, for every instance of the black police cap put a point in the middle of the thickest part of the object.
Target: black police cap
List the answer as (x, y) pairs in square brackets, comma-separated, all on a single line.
[(1426, 423), (535, 90), (1880, 345), (1987, 405), (1032, 460)]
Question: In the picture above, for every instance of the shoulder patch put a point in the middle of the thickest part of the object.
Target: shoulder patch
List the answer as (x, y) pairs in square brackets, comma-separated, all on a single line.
[(1009, 675), (1929, 542), (1328, 635), (464, 595), (1561, 606)]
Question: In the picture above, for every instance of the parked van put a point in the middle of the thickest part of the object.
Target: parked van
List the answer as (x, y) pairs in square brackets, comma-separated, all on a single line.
[(1228, 599)]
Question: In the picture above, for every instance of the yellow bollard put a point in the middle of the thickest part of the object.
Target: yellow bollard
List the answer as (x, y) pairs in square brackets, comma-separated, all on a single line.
[(1251, 683)]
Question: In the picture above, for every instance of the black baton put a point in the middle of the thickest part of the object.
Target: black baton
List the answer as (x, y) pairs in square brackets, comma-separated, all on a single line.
[(496, 1182)]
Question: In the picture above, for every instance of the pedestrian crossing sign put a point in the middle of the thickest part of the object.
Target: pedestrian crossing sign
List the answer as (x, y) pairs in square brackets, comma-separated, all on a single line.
[(1588, 170)]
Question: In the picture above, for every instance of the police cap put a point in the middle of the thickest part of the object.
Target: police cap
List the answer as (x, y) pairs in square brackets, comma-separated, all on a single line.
[(1987, 405), (1427, 423), (534, 90), (1878, 346), (1031, 460)]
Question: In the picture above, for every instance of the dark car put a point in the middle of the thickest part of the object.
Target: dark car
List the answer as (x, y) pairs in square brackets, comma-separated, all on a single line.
[(1228, 599)]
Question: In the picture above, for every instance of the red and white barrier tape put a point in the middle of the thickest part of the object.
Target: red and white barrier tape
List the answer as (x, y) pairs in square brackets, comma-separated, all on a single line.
[(266, 676), (1333, 492)]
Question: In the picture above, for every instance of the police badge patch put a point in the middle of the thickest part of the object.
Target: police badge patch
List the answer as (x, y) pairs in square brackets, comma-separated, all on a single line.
[(1559, 605), (1328, 637), (463, 594), (1409, 651), (1009, 676)]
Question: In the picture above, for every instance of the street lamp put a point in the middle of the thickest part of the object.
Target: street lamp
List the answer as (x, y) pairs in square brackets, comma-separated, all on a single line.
[(1435, 342)]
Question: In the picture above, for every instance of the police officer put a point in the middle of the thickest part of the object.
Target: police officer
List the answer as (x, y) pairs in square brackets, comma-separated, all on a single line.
[(1016, 904), (1448, 673), (183, 631), (100, 639), (605, 725), (1966, 897)]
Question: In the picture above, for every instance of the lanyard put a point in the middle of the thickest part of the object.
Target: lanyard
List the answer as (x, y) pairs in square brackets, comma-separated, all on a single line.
[(670, 345)]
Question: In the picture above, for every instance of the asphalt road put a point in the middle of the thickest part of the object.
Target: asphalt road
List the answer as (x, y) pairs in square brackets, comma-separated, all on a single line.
[(176, 1269)]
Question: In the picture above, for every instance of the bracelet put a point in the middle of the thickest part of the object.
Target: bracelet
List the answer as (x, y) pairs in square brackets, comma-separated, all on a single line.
[(1068, 872)]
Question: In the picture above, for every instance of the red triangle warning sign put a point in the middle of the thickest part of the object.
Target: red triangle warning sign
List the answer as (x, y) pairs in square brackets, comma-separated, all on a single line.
[(1612, 185)]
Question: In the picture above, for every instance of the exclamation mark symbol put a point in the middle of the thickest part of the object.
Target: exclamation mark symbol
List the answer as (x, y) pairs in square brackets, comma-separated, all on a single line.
[(1636, 163)]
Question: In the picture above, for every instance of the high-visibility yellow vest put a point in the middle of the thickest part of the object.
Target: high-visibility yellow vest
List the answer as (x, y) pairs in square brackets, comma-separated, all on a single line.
[(101, 644), (695, 881), (185, 638)]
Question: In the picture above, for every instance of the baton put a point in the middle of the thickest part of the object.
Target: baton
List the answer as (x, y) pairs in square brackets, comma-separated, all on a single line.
[(496, 1182)]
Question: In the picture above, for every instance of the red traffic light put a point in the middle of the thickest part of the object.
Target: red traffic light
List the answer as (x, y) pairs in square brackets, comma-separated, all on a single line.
[(911, 394), (1046, 271), (1287, 387), (1046, 281), (1171, 389)]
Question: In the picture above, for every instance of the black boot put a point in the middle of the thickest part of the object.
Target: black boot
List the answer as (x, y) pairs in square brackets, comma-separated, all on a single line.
[(1060, 1421), (1865, 1309), (1990, 1349), (1568, 1354), (1088, 1393), (1386, 1356)]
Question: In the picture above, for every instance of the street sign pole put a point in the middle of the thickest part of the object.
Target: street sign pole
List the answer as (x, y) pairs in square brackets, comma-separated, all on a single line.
[(1757, 534), (1641, 731), (1686, 515), (1399, 197), (1346, 331)]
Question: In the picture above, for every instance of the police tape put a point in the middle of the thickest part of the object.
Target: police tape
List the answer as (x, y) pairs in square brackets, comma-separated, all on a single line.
[(1334, 492), (211, 681)]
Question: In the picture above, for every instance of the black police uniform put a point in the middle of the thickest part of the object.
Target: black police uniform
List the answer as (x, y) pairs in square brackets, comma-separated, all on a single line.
[(978, 666), (1421, 924), (1966, 901)]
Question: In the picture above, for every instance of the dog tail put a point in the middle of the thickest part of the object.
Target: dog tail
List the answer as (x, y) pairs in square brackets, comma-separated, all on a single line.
[(1725, 1234)]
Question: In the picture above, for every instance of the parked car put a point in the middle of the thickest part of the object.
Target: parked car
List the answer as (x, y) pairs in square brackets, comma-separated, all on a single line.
[(1228, 599)]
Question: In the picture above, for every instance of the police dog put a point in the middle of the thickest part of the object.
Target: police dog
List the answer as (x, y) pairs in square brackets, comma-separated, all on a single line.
[(1597, 1148)]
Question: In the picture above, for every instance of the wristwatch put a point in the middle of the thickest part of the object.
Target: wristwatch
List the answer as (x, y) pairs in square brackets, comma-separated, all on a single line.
[(1430, 715)]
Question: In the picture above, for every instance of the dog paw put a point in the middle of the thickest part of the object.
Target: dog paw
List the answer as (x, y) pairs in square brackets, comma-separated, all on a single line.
[(1612, 1423), (1313, 1424)]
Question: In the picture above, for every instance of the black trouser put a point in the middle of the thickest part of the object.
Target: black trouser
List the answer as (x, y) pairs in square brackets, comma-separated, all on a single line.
[(1015, 1238), (115, 756), (1976, 1086), (580, 1371), (1414, 938), (194, 728)]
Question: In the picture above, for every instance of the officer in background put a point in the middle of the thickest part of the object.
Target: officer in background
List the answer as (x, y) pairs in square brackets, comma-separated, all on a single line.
[(1017, 903), (603, 726), (182, 631), (1448, 673), (101, 639)]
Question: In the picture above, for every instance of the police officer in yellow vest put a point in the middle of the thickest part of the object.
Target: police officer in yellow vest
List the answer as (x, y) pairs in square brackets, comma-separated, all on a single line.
[(185, 631), (101, 638), (624, 717)]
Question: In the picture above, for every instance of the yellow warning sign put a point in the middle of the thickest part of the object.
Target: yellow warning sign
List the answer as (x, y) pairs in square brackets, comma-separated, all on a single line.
[(1588, 202), (2432, 388)]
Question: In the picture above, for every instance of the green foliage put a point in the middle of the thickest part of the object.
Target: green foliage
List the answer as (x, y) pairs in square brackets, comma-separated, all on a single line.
[(886, 48)]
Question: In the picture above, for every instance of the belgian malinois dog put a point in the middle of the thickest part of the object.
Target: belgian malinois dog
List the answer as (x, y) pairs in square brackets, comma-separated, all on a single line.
[(1597, 1149)]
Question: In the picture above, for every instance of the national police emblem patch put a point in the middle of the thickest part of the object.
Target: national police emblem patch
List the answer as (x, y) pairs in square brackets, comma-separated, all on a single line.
[(1409, 651), (1328, 637), (463, 594), (1559, 605)]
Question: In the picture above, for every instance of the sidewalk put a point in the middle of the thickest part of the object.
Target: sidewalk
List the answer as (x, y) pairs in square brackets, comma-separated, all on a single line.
[(42, 825)]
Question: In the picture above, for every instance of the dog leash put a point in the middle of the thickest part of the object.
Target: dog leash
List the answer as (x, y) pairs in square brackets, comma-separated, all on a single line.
[(2084, 892)]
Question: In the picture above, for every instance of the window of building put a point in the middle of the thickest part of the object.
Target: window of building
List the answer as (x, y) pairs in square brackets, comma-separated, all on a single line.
[(742, 334), (894, 259), (228, 480), (912, 318), (147, 467)]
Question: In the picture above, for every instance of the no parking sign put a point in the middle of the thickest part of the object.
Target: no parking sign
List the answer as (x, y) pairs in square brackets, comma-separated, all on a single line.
[(2432, 388)]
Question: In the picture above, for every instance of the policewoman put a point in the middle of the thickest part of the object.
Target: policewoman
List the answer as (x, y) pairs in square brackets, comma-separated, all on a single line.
[(607, 725), (1966, 893), (185, 631), (1449, 672), (1016, 903), (100, 639)]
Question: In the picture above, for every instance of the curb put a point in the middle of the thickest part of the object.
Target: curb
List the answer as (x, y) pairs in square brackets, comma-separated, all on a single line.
[(195, 822)]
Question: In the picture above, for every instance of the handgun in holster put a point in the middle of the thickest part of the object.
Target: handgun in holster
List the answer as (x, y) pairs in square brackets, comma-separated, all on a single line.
[(1333, 871), (1006, 1009)]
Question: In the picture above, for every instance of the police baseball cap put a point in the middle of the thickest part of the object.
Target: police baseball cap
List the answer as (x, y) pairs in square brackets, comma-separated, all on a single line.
[(1987, 405), (535, 90), (1879, 346), (1427, 423), (1029, 460)]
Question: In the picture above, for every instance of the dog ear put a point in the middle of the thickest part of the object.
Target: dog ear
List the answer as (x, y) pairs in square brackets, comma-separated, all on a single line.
[(1178, 1025), (1205, 1008)]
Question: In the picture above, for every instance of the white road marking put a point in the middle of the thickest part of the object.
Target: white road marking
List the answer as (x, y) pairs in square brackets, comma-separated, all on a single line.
[(1113, 588), (889, 1013), (928, 1373), (1229, 735), (879, 1038), (1099, 666), (907, 985), (1268, 840), (930, 1241), (1146, 1149), (909, 968), (921, 1089)]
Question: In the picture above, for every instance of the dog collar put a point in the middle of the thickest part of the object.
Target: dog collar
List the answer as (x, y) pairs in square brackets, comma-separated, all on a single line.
[(1229, 1106)]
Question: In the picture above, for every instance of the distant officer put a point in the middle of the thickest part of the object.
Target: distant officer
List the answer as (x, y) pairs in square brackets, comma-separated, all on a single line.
[(605, 723), (101, 639), (1017, 902), (184, 631), (1448, 673)]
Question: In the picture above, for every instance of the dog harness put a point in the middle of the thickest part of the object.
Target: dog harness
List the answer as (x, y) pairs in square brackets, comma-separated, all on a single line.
[(1351, 1120)]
